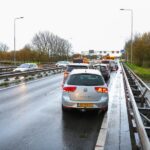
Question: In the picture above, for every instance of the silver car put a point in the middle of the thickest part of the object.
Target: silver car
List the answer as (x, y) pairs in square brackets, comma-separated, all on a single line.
[(26, 67), (62, 63), (85, 89)]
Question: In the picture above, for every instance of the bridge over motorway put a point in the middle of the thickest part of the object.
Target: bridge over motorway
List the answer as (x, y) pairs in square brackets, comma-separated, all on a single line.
[(31, 116)]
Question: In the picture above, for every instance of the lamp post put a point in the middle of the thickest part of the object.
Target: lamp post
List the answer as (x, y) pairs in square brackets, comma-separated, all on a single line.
[(131, 11), (15, 38)]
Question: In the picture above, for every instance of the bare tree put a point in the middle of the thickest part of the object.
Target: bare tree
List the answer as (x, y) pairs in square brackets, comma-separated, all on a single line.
[(3, 47), (51, 45)]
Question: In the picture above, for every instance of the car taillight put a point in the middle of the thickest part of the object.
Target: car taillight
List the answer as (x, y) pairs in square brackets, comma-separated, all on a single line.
[(101, 89), (66, 74), (69, 89)]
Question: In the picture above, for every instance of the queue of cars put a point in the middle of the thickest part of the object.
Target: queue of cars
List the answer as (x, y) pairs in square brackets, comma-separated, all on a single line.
[(84, 86), (111, 64)]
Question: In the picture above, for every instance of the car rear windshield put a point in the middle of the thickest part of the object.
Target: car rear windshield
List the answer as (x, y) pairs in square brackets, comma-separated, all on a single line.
[(103, 68), (70, 68), (85, 80)]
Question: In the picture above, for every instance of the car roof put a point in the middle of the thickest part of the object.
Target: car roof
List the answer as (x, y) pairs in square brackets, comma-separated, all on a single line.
[(88, 71), (78, 64)]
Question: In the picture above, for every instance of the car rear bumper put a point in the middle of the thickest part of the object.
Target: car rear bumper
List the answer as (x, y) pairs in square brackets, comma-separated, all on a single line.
[(67, 103)]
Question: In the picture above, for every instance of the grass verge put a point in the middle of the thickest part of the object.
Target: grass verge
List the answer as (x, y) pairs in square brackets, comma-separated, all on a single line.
[(144, 73)]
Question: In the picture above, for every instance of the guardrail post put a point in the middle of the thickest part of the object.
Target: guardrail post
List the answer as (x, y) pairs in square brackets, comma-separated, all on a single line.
[(16, 78), (6, 79), (142, 98), (39, 75)]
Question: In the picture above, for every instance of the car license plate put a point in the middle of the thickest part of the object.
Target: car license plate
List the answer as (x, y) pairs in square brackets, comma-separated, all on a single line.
[(85, 105)]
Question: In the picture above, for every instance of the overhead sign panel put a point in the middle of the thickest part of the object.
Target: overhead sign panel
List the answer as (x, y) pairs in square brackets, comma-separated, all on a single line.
[(122, 51)]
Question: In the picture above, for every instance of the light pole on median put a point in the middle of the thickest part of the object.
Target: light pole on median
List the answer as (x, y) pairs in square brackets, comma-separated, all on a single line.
[(131, 53), (15, 38)]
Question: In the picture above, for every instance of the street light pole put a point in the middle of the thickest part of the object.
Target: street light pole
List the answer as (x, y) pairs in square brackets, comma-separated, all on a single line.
[(15, 38), (131, 53)]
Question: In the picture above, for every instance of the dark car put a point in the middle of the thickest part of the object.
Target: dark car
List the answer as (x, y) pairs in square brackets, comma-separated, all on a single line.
[(107, 62), (104, 69)]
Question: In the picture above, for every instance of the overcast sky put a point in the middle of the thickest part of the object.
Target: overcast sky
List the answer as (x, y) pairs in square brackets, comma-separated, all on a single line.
[(87, 24)]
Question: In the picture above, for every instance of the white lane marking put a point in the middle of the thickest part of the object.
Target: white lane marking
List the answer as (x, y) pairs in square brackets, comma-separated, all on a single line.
[(102, 134)]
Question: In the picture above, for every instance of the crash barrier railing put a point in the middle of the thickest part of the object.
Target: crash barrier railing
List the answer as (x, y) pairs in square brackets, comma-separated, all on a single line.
[(6, 69), (136, 90), (16, 75), (9, 70)]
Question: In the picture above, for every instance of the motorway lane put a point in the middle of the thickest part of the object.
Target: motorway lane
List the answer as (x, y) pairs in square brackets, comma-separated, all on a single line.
[(31, 119)]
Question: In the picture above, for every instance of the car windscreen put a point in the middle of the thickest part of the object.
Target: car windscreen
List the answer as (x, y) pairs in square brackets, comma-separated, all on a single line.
[(70, 68), (85, 80), (24, 66)]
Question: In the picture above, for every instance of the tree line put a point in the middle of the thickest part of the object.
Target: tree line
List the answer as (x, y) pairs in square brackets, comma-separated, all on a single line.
[(140, 50), (44, 47)]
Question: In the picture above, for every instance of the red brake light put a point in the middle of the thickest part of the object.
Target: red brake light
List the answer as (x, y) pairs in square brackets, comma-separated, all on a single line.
[(66, 74), (69, 89), (101, 89)]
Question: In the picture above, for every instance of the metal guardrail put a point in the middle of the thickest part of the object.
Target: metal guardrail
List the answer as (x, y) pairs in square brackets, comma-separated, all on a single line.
[(8, 75), (9, 68), (4, 69), (143, 131)]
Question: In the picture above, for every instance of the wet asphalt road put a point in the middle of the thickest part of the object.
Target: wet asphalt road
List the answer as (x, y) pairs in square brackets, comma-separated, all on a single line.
[(31, 119)]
